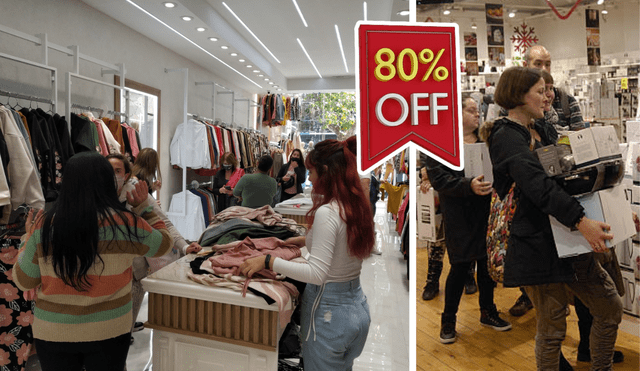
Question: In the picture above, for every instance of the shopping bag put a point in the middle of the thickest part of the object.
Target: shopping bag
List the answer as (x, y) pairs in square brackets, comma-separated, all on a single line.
[(498, 232)]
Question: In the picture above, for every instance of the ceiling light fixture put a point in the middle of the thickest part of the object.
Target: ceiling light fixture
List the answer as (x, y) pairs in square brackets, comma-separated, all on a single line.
[(249, 66), (446, 12), (251, 32), (364, 9), (344, 59), (474, 25), (605, 11), (241, 60), (279, 89), (256, 71), (234, 54), (512, 14), (600, 2), (260, 75), (169, 4), (224, 47), (308, 57), (266, 79), (213, 38), (300, 13), (200, 29), (190, 41), (186, 18), (270, 82), (404, 13)]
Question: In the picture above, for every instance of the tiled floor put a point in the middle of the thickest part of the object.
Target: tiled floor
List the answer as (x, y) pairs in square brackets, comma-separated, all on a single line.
[(384, 281)]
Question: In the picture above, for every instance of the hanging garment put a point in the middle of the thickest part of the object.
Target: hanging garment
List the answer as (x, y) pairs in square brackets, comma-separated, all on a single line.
[(191, 225), (395, 196), (84, 136), (189, 146)]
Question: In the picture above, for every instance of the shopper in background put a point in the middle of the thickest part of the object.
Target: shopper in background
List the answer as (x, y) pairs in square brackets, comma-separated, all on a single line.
[(220, 188), (565, 104), (78, 255), (335, 314), (465, 207), (532, 260), (146, 167), (292, 175), (258, 189), (143, 266)]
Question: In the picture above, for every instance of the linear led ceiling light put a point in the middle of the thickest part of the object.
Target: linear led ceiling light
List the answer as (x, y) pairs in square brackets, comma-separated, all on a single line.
[(251, 32), (192, 43), (310, 60), (341, 49), (364, 9), (300, 13)]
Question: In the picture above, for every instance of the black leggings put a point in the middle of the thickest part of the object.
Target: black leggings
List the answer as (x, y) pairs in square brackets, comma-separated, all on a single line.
[(455, 286), (104, 355)]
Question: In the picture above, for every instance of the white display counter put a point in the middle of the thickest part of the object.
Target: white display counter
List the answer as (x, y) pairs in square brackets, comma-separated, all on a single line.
[(203, 328)]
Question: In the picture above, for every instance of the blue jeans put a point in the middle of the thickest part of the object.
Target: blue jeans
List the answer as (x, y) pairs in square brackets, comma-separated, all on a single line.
[(341, 325)]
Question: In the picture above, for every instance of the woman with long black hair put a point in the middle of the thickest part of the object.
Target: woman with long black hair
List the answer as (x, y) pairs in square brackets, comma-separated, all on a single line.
[(292, 175), (78, 257), (335, 314)]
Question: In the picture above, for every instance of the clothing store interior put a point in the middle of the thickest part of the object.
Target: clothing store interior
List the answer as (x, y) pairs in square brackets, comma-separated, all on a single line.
[(507, 278), (220, 108)]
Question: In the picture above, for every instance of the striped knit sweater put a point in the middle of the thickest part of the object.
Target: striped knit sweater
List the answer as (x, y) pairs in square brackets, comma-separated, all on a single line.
[(64, 314)]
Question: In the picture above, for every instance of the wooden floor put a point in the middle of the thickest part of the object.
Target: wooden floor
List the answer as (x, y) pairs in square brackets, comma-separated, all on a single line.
[(482, 348)]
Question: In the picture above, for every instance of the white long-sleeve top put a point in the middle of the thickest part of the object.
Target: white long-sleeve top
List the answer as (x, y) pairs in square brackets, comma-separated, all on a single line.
[(329, 259), (190, 146)]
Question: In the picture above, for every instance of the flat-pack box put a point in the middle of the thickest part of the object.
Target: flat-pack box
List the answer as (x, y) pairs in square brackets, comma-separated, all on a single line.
[(631, 298), (608, 205), (477, 161), (594, 144), (625, 253)]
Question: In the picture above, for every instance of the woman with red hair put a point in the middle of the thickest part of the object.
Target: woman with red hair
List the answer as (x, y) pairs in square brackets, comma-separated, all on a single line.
[(335, 314)]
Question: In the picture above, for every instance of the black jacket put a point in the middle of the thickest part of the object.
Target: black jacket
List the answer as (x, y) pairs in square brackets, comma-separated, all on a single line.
[(465, 213), (532, 258), (301, 177)]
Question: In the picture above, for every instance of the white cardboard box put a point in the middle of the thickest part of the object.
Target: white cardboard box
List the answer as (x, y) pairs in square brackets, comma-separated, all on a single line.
[(477, 161), (428, 220), (624, 251), (608, 205), (631, 298)]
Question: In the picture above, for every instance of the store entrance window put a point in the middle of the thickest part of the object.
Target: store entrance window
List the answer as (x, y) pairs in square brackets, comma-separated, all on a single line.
[(142, 104)]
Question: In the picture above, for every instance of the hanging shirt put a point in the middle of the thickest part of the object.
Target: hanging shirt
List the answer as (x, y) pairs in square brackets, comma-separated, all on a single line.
[(190, 147)]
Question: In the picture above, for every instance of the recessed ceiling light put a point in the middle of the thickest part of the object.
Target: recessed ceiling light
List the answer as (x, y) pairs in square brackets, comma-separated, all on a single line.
[(213, 38), (605, 11), (474, 26), (266, 79), (600, 2), (270, 82), (404, 13), (234, 54), (308, 57), (279, 89), (251, 32), (446, 12), (300, 13), (186, 18), (224, 47), (200, 29), (169, 4), (249, 66), (260, 75), (241, 60), (512, 14), (275, 86), (256, 71), (191, 41)]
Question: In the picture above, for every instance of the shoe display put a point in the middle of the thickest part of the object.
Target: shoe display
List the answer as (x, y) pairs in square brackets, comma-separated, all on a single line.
[(522, 306), (138, 326), (618, 357), (448, 329), (470, 286), (431, 290), (491, 318)]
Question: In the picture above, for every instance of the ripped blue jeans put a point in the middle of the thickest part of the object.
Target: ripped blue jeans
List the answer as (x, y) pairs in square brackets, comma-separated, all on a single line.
[(338, 332)]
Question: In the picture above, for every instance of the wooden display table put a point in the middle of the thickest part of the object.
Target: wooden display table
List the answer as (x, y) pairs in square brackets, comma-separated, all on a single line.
[(203, 328)]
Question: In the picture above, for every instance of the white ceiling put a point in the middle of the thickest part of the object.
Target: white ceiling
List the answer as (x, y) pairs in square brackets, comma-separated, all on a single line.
[(276, 23)]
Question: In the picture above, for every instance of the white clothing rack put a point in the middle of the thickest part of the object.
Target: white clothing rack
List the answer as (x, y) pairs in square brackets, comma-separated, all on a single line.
[(88, 108), (54, 81)]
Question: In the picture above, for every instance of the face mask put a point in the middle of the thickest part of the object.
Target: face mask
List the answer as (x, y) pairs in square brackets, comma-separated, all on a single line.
[(119, 182), (226, 167), (298, 160)]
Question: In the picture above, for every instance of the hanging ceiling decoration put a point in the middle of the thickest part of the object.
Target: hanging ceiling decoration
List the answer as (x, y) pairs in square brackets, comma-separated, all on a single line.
[(558, 13), (523, 38)]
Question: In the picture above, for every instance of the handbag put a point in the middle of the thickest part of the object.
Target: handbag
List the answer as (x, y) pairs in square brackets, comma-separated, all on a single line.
[(498, 231)]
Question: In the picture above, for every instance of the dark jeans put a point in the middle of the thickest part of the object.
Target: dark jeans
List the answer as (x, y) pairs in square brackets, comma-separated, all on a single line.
[(104, 355), (458, 275)]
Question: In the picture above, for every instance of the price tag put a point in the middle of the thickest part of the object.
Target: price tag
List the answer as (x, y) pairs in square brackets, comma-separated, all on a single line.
[(624, 83), (408, 86)]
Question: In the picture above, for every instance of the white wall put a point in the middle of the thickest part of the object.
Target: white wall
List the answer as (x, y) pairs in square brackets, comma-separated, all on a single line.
[(565, 39), (72, 22)]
